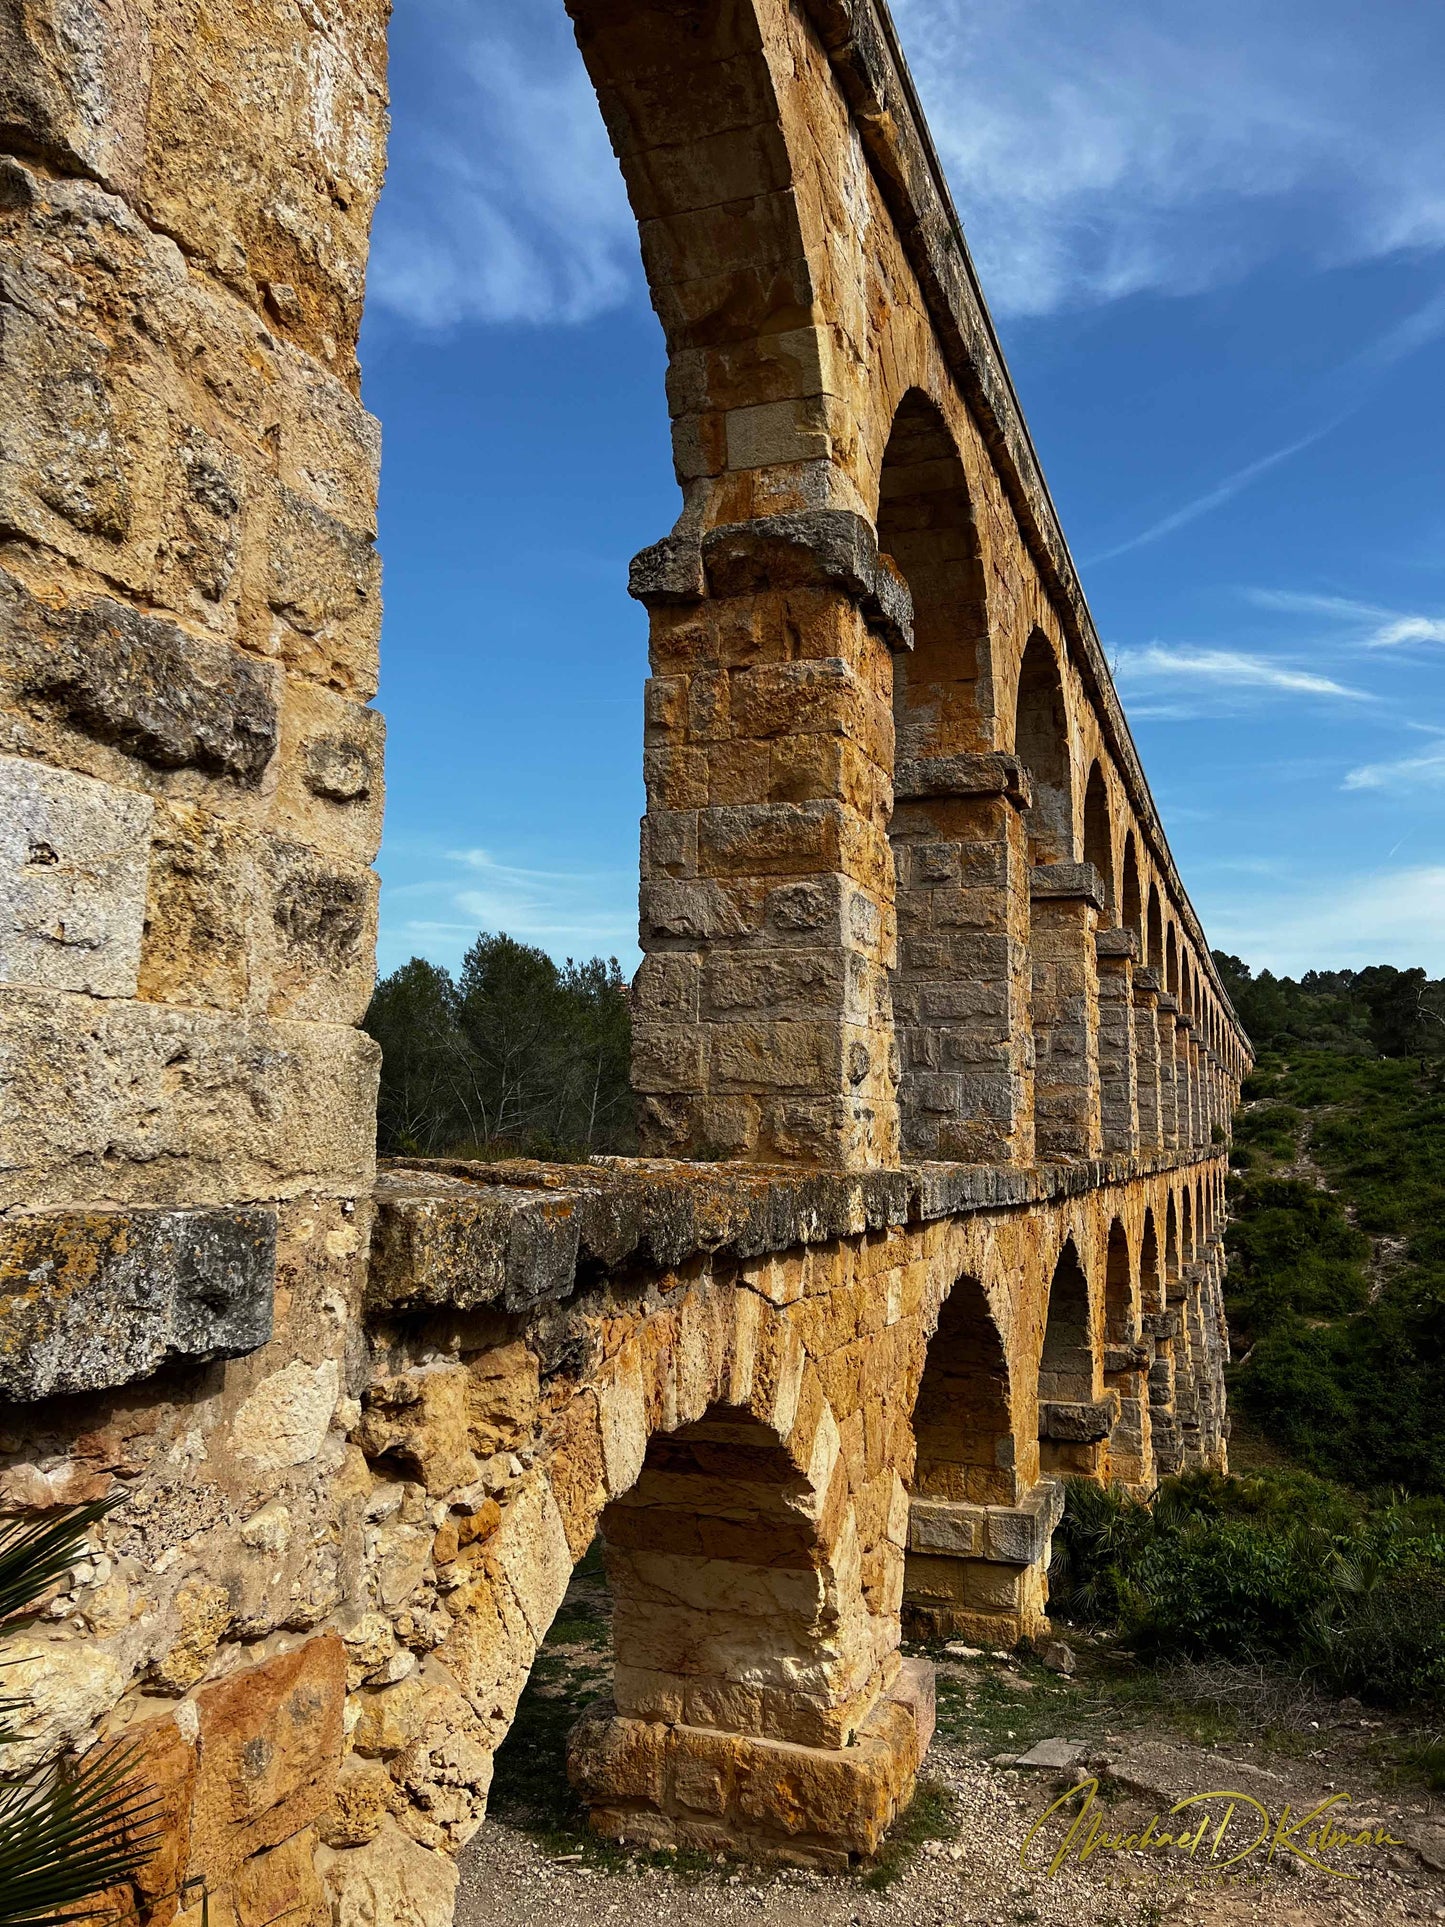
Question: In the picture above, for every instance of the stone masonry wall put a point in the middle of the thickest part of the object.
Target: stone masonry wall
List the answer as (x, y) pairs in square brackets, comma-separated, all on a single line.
[(943, 1036)]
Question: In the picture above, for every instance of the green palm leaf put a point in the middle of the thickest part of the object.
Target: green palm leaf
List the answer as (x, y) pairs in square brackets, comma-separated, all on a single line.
[(65, 1837)]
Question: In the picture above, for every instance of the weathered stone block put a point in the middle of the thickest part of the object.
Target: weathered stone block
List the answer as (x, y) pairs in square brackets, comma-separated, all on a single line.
[(97, 1298), (141, 684), (73, 858), (270, 1749)]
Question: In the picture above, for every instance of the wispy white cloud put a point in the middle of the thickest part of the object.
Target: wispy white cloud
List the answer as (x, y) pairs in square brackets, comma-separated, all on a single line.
[(1099, 148), (1426, 771), (567, 913), (1341, 923), (1378, 628), (1217, 496), (504, 202), (1232, 669)]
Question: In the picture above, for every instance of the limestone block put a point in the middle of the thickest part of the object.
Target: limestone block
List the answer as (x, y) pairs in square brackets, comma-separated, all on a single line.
[(265, 157), (422, 1421), (390, 1882), (91, 1299), (282, 1885), (946, 1526), (285, 1420), (200, 910), (74, 79), (319, 946), (67, 1685), (270, 1750), (323, 584), (155, 1104), (73, 857), (329, 788), (365, 1795), (140, 684)]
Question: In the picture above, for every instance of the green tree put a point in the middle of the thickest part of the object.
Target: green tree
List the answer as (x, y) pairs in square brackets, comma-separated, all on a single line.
[(513, 1056)]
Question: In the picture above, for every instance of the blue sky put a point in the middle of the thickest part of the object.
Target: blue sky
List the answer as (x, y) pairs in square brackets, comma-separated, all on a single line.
[(1214, 244)]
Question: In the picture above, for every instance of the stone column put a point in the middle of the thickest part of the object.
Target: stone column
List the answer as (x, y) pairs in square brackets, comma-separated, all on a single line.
[(980, 1572), (1146, 1059), (1131, 1446), (762, 1013), (961, 991), (1169, 1092), (1184, 1081), (1117, 951), (191, 791), (1163, 1328), (1067, 900)]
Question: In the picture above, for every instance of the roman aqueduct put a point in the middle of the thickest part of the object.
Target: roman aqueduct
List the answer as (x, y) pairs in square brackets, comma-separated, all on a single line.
[(934, 1071)]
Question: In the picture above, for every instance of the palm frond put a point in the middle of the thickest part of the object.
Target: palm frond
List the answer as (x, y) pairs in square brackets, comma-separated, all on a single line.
[(64, 1838), (36, 1551)]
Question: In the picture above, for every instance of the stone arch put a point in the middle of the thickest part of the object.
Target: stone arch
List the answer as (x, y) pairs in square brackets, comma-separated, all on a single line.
[(1069, 1436), (1131, 907), (1155, 958), (1041, 741), (1171, 1245), (951, 833), (725, 1584), (1171, 959), (1151, 1276), (1186, 1224), (660, 73), (1099, 837), (962, 1420), (1066, 1360), (1119, 1310), (926, 526)]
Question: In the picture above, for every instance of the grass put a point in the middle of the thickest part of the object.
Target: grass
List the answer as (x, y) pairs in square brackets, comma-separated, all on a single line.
[(933, 1815)]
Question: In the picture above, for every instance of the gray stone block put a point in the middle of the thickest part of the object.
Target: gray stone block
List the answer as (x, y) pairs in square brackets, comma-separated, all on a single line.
[(947, 1526), (74, 855), (92, 1299)]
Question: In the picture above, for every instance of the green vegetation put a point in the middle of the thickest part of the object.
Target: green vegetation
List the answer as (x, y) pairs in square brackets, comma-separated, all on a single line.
[(513, 1057), (65, 1837), (1279, 1569), (1336, 1290)]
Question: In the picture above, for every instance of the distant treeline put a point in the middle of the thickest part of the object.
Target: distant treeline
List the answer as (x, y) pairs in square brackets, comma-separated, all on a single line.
[(513, 1057), (1336, 1289), (1380, 1011)]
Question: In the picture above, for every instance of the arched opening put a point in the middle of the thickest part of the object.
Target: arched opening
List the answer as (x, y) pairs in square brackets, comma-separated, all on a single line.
[(1118, 1289), (1171, 962), (1155, 957), (1186, 1238), (1066, 1364), (1099, 837), (1041, 741), (1171, 1245), (925, 524), (1151, 1280), (722, 1586), (959, 998), (1131, 910), (1071, 1429), (977, 1541), (962, 1422)]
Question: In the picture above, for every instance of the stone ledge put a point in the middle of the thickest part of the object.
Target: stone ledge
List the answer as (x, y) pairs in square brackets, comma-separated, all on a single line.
[(1078, 1421), (1067, 883), (461, 1234), (1006, 1535), (95, 1298), (989, 773)]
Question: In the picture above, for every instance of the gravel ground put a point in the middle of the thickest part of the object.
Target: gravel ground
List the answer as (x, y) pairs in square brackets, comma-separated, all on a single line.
[(533, 1862)]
